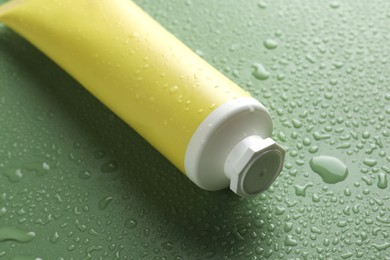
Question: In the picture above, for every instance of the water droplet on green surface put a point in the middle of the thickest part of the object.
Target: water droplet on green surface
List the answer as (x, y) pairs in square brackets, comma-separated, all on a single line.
[(92, 249), (297, 123), (262, 5), (347, 192), (131, 223), (381, 247), (313, 149), (315, 198), (343, 146), (84, 175), (104, 202), (306, 141), (15, 234), (370, 162), (346, 255), (366, 134), (279, 210), (71, 247), (99, 154), (319, 136), (367, 180), (199, 52), (39, 168), (331, 169), (54, 238), (79, 225), (335, 5), (315, 230), (300, 190), (382, 180), (288, 226), (167, 245), (260, 72), (270, 44), (109, 166), (3, 210), (310, 58), (14, 175), (342, 223), (290, 241)]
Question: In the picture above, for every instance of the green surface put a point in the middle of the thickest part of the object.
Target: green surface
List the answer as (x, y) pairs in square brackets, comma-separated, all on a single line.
[(76, 182)]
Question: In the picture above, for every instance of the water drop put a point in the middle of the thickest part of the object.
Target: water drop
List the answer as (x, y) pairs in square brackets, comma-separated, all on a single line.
[(315, 198), (382, 180), (306, 141), (130, 223), (370, 162), (331, 169), (334, 5), (366, 134), (313, 149), (54, 238), (315, 230), (318, 136), (288, 226), (110, 166), (382, 246), (167, 245), (347, 192), (341, 223), (84, 175), (39, 168), (15, 234), (279, 210), (270, 44), (300, 190), (14, 175), (80, 226), (282, 136), (99, 154), (104, 202), (328, 95), (173, 89), (310, 58), (332, 82), (297, 123), (343, 146), (262, 5), (367, 180), (346, 255), (91, 249), (290, 241), (260, 72), (199, 52), (3, 210)]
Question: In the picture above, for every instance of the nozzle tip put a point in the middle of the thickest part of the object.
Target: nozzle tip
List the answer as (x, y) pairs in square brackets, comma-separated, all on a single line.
[(253, 165)]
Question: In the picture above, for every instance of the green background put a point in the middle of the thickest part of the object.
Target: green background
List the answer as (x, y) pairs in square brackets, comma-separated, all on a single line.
[(77, 183)]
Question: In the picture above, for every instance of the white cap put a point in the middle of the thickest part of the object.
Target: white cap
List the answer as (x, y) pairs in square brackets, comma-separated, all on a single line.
[(232, 147), (253, 164)]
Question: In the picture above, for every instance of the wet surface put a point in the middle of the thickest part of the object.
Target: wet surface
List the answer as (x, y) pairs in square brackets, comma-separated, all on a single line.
[(78, 183)]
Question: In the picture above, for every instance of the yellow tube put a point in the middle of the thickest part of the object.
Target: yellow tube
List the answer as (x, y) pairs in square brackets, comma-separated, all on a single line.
[(128, 61)]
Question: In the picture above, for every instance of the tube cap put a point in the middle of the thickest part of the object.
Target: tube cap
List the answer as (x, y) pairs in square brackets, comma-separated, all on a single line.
[(253, 164)]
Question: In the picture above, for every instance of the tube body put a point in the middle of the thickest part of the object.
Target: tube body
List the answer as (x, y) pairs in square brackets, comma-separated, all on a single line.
[(134, 66), (128, 61)]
